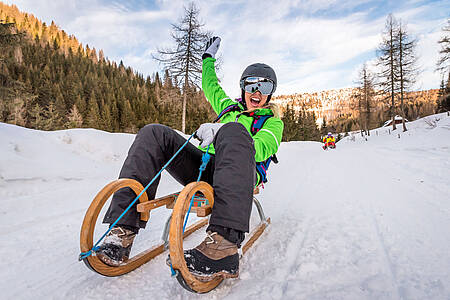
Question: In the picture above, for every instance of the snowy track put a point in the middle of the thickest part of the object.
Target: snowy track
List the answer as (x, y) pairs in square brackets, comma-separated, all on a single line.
[(368, 220)]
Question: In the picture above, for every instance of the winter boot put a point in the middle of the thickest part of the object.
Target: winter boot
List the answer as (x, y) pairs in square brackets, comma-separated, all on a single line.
[(214, 257), (116, 247)]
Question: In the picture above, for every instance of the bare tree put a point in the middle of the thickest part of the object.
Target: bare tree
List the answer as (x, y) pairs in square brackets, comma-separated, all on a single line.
[(443, 63), (184, 63), (407, 60), (387, 60), (365, 94)]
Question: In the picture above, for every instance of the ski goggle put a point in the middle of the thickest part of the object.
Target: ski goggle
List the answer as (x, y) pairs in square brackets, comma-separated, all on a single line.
[(261, 84)]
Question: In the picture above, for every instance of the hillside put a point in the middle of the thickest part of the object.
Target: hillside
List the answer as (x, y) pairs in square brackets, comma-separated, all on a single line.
[(48, 81), (369, 220), (342, 103)]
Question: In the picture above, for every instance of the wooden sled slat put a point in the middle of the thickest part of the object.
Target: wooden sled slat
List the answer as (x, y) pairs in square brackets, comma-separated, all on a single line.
[(152, 204), (203, 211), (254, 235)]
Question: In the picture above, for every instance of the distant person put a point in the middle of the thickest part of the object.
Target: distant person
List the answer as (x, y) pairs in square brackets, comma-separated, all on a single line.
[(329, 141), (238, 149)]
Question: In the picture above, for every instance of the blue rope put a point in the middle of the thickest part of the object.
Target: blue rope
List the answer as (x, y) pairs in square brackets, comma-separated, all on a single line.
[(84, 255), (205, 159)]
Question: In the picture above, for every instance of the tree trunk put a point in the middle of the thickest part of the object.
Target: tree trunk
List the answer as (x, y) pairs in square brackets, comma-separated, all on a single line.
[(403, 121), (183, 118), (402, 87), (394, 127), (361, 127), (368, 113), (186, 74)]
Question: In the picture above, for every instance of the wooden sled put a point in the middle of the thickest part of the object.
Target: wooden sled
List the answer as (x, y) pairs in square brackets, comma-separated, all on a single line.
[(173, 238)]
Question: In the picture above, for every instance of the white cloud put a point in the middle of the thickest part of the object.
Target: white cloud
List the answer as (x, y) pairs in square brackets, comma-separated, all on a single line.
[(298, 49), (314, 54), (308, 51)]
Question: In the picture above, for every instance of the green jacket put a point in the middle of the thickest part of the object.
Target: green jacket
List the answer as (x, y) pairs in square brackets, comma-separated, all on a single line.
[(267, 140)]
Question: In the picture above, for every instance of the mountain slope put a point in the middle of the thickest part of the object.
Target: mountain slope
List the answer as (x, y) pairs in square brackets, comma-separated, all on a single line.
[(369, 220)]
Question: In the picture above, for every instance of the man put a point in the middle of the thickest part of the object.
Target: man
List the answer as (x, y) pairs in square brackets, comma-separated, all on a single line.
[(329, 141), (236, 151)]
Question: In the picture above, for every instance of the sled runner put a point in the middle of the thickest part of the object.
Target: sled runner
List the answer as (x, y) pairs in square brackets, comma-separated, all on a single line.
[(173, 234)]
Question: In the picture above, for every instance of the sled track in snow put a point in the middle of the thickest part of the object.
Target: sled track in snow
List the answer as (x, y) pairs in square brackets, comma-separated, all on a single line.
[(386, 256), (291, 265)]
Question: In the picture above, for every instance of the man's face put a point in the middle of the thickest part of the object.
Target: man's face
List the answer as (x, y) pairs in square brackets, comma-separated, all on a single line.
[(255, 100)]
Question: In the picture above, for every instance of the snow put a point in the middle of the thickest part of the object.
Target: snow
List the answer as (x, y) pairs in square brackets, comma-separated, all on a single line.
[(367, 220)]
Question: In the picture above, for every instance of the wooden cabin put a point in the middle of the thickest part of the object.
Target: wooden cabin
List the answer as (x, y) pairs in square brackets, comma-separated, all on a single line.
[(398, 120)]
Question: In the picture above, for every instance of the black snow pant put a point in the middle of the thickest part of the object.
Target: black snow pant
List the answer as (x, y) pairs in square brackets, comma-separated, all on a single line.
[(231, 172)]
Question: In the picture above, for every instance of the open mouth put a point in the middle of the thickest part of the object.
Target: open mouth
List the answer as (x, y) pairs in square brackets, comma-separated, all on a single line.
[(255, 101)]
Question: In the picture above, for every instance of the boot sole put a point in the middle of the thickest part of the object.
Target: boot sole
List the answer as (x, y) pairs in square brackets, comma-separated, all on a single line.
[(221, 274), (206, 278), (108, 261)]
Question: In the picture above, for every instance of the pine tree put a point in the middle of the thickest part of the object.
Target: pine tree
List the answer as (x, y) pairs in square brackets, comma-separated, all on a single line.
[(60, 105), (75, 120), (52, 119), (93, 115), (36, 117), (324, 127), (290, 121), (106, 120), (81, 104), (127, 117)]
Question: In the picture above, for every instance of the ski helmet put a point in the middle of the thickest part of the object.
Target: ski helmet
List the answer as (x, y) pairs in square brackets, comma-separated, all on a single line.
[(259, 70), (329, 133)]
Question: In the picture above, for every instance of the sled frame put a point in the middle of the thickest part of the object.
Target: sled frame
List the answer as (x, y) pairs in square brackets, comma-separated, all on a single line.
[(171, 238)]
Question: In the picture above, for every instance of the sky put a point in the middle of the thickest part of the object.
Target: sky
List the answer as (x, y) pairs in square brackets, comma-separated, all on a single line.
[(313, 45)]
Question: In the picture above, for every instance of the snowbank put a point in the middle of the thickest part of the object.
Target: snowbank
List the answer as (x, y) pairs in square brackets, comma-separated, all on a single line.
[(368, 220)]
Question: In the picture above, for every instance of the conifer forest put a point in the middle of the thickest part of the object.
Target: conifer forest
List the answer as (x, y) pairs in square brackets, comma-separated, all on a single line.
[(50, 81)]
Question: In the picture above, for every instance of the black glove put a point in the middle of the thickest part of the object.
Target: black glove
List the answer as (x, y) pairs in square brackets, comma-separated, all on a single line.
[(211, 47)]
